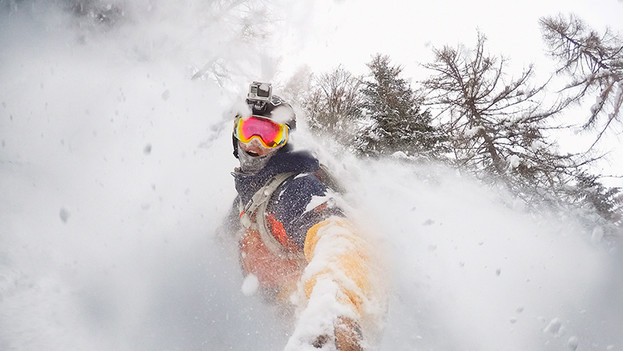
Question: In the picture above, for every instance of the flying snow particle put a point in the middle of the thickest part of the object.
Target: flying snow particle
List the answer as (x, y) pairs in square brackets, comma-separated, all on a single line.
[(147, 149), (573, 343), (429, 222), (250, 285), (554, 327), (165, 95), (64, 214)]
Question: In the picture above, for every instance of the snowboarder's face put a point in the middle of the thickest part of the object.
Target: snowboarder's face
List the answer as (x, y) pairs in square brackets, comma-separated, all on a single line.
[(255, 148)]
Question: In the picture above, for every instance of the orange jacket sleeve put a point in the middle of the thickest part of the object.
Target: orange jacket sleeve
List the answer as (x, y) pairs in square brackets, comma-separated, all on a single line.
[(334, 250)]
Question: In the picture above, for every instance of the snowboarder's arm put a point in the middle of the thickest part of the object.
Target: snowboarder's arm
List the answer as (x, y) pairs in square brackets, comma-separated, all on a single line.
[(337, 252), (339, 257)]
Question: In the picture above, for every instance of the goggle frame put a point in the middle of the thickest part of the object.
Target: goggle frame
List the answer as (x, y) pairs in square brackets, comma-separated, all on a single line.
[(281, 137)]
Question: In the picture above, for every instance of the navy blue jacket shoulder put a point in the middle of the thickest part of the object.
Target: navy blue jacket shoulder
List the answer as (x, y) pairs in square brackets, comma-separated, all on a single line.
[(299, 202)]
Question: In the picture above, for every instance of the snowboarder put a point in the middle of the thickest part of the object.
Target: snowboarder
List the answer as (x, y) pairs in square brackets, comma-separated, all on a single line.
[(295, 242)]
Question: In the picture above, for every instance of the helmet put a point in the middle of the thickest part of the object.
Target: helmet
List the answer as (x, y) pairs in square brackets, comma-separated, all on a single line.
[(263, 103)]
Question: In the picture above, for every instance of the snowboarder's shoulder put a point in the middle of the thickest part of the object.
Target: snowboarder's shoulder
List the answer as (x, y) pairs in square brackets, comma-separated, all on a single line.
[(303, 184)]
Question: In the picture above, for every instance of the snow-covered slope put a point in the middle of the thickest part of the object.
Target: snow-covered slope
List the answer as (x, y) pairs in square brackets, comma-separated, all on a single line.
[(114, 175)]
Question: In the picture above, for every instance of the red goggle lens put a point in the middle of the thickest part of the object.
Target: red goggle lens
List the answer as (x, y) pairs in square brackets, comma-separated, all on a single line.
[(271, 134)]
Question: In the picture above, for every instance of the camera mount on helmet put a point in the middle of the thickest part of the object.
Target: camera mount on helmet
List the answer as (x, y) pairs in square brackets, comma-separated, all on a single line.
[(258, 97), (263, 103), (260, 91)]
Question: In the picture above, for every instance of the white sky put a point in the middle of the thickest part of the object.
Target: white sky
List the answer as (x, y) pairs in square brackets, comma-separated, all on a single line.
[(349, 32)]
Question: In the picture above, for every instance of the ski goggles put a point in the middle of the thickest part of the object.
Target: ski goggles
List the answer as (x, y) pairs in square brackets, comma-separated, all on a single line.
[(270, 133)]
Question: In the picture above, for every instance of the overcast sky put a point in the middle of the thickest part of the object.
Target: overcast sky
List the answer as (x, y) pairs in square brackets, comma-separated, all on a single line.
[(327, 33)]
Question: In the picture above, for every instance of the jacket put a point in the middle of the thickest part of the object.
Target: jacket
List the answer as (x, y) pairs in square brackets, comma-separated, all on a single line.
[(300, 214)]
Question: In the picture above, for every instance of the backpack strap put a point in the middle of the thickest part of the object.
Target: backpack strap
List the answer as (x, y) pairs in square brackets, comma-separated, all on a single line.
[(253, 216)]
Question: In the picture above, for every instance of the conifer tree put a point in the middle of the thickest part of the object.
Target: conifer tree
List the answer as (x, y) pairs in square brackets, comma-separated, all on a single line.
[(396, 122)]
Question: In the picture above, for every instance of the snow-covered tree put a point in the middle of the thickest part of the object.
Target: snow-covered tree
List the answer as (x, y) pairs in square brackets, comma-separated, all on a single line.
[(495, 123), (499, 126), (396, 122), (333, 104), (607, 202), (594, 65)]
